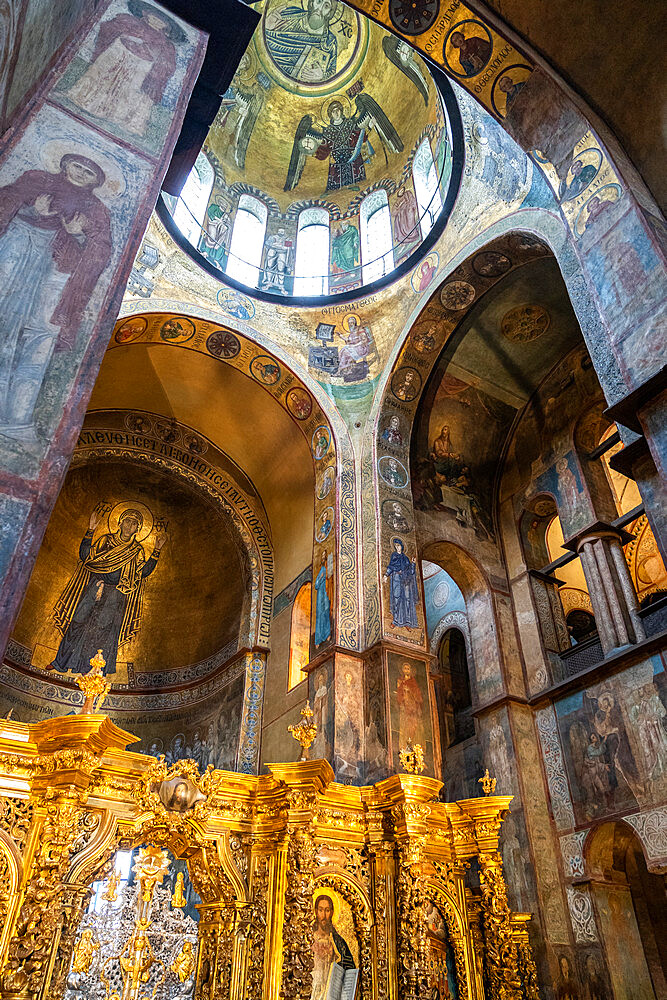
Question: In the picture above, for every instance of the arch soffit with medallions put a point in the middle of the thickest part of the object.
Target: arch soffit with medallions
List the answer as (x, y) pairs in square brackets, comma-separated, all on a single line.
[(307, 407)]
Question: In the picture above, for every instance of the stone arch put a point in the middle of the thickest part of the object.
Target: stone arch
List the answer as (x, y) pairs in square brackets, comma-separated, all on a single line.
[(362, 915), (552, 126), (521, 238), (485, 664), (454, 619), (347, 618)]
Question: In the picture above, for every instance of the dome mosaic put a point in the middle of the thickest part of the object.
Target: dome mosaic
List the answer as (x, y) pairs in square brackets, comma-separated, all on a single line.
[(330, 165)]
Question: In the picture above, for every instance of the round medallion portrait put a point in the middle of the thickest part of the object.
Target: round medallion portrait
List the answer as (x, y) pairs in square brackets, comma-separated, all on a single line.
[(320, 442), (299, 403), (138, 423), (406, 383), (393, 472), (223, 344), (507, 86), (235, 304), (582, 172), (523, 324), (312, 43), (167, 432), (195, 444), (177, 329), (414, 17), (457, 295), (491, 264), (131, 330), (597, 207), (265, 369), (441, 594), (468, 48), (327, 482), (424, 338), (324, 524), (525, 243), (396, 515)]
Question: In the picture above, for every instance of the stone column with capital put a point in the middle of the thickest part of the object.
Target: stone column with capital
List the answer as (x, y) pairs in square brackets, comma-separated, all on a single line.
[(609, 585)]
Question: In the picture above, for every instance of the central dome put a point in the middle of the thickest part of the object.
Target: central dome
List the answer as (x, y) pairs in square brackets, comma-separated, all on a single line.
[(329, 162)]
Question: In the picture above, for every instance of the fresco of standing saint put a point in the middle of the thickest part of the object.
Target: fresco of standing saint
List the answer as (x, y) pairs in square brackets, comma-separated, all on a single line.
[(410, 707), (330, 949), (133, 60), (403, 593), (322, 603), (101, 606), (56, 244)]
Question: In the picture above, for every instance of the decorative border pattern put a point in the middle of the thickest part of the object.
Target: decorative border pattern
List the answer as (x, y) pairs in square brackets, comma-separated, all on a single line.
[(552, 753)]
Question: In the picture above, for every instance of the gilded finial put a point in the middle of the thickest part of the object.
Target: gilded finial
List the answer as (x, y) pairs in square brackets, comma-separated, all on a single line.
[(411, 758), (94, 685), (488, 783), (305, 732)]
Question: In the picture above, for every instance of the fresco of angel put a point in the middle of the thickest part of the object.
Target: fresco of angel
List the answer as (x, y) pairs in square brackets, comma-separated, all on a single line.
[(342, 142)]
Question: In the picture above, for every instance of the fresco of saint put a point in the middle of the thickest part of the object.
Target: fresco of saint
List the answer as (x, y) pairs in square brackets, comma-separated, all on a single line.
[(56, 242), (345, 248), (329, 948), (101, 606), (322, 603), (403, 592), (352, 360), (341, 142), (133, 60), (410, 707)]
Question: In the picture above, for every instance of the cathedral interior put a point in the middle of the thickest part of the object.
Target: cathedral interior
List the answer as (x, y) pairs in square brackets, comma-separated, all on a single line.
[(333, 516)]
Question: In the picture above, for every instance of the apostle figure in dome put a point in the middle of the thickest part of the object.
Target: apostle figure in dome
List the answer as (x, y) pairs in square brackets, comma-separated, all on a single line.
[(101, 606), (301, 42)]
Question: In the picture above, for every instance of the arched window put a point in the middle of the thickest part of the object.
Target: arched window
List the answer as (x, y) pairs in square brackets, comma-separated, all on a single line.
[(190, 210), (427, 188), (457, 701), (245, 251), (299, 644), (377, 251), (311, 270)]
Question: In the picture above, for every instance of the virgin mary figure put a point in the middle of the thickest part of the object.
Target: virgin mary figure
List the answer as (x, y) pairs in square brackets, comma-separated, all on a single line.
[(403, 593), (101, 606), (133, 60)]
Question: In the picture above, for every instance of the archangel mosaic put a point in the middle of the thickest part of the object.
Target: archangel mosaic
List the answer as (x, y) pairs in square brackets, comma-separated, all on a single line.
[(332, 501)]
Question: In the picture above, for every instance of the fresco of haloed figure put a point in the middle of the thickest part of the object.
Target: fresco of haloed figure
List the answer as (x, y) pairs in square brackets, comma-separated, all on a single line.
[(102, 605)]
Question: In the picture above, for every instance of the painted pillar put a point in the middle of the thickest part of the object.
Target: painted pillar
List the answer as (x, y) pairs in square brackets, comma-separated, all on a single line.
[(251, 719), (610, 587), (79, 176)]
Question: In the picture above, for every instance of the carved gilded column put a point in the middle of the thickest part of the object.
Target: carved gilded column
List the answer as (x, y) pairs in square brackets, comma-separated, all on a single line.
[(501, 953), (259, 929), (380, 855), (216, 950), (305, 780), (69, 752)]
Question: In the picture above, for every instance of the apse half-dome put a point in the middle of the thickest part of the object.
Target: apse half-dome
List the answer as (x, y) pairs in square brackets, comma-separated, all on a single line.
[(331, 164)]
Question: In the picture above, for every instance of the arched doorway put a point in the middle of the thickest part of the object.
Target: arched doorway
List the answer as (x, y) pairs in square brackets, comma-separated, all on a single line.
[(631, 909)]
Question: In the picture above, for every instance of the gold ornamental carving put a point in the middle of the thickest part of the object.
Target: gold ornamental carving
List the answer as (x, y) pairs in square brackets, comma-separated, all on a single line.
[(94, 685), (411, 758), (305, 732), (487, 782)]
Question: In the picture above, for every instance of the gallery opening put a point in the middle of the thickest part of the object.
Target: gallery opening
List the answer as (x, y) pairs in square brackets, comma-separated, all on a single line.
[(333, 454)]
